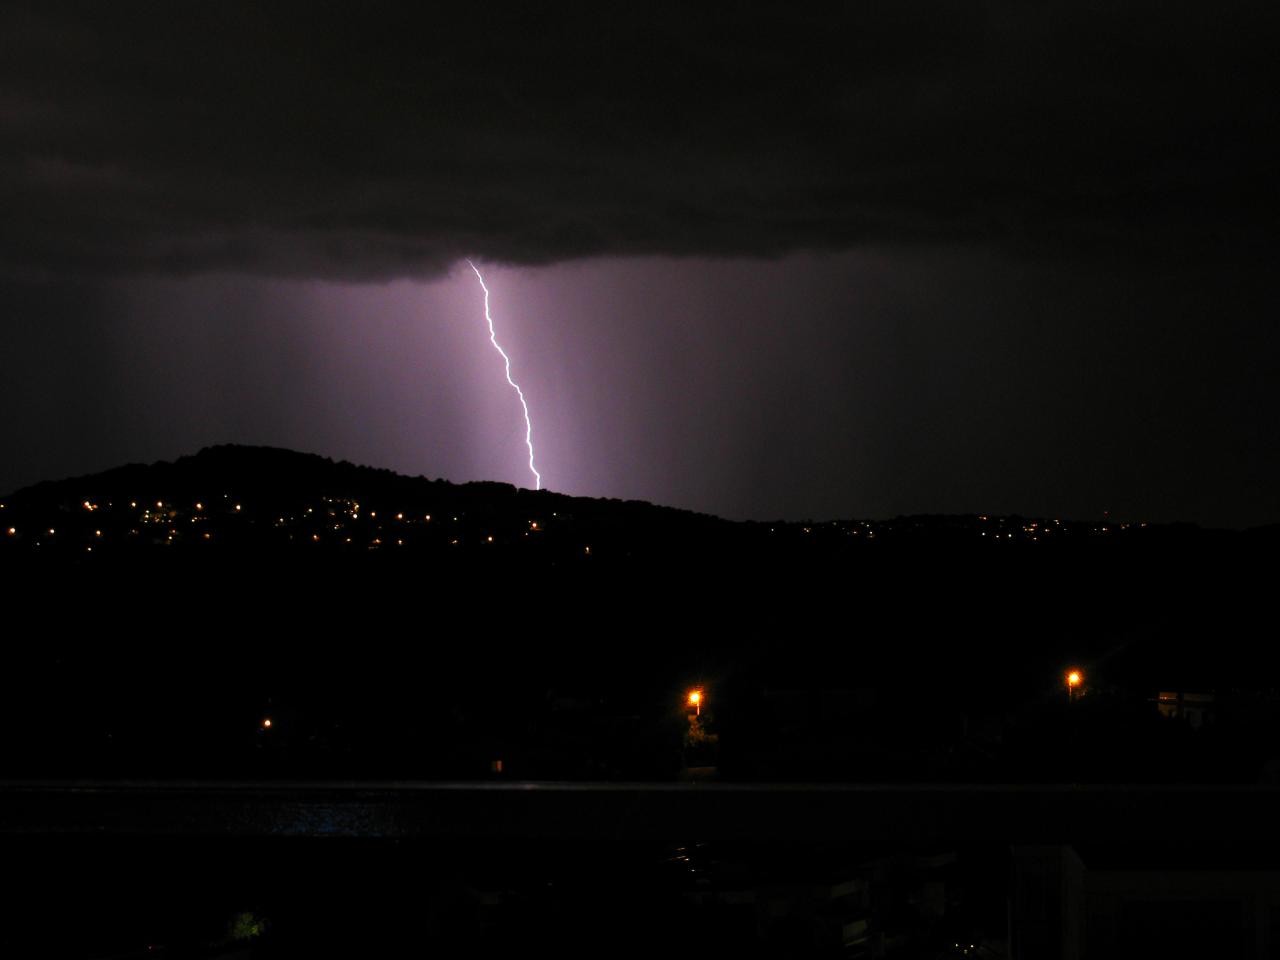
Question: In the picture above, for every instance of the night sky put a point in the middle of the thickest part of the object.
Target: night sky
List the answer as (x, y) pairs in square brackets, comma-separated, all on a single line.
[(775, 263)]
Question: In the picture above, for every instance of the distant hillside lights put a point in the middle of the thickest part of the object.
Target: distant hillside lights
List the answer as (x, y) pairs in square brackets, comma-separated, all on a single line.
[(342, 514)]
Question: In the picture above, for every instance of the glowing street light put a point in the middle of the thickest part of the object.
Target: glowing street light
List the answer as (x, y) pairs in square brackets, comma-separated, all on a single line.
[(695, 701), (266, 723), (1075, 680)]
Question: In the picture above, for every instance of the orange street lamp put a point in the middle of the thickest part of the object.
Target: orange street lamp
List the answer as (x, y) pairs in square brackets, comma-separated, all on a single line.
[(1074, 681), (266, 723), (695, 701)]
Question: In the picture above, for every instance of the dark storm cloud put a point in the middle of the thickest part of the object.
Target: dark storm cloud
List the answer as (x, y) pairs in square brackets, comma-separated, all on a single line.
[(356, 140)]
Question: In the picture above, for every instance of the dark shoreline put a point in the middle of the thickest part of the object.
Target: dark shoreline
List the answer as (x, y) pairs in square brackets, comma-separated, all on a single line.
[(1144, 819)]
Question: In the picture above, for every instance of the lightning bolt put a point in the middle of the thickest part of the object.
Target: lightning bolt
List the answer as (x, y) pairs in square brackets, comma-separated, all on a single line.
[(493, 338)]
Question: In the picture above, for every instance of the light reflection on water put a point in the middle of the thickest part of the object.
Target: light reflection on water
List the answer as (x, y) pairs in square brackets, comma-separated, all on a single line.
[(323, 820)]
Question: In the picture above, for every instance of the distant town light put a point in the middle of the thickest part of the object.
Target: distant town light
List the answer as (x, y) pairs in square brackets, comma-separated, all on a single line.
[(266, 723), (399, 516), (1074, 678), (695, 701), (237, 508), (199, 506)]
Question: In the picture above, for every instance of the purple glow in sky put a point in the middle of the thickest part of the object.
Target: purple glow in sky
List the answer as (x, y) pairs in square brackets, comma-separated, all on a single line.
[(863, 384)]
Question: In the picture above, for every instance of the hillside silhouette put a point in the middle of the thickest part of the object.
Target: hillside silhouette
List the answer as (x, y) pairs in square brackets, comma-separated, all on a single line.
[(236, 499)]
